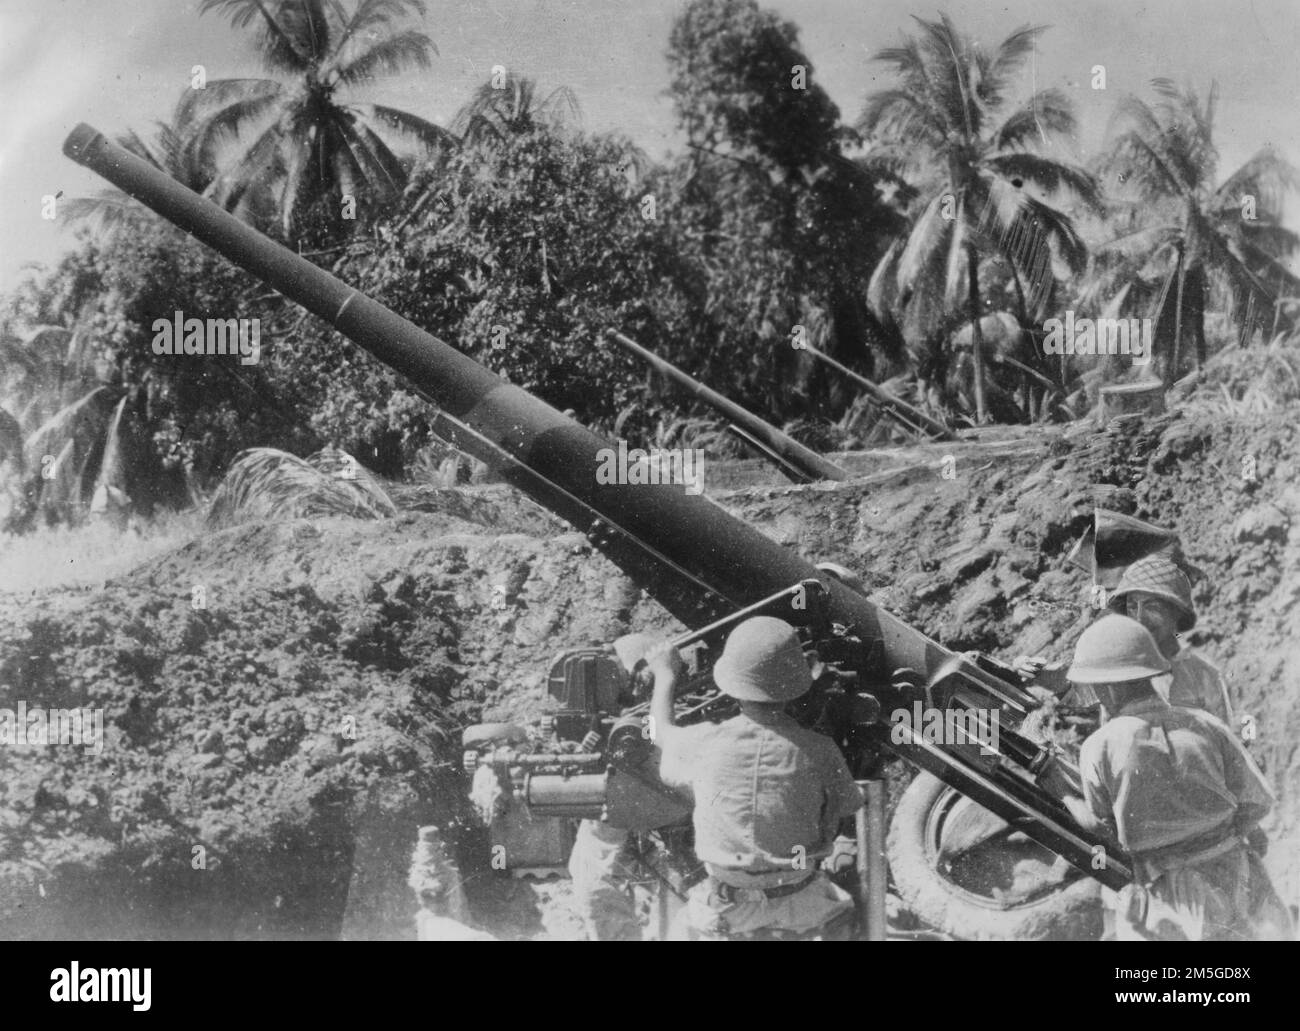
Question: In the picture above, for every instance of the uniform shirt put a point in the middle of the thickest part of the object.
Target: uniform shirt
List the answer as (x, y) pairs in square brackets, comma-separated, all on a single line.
[(1159, 774), (1196, 683), (767, 792)]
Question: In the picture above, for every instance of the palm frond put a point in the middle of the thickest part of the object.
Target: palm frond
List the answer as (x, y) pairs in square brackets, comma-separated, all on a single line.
[(901, 115), (280, 51), (381, 164), (315, 38), (1267, 176), (1047, 114), (955, 90), (882, 288), (80, 423), (497, 113), (1048, 174), (108, 212), (11, 442), (374, 14), (1141, 243), (411, 126), (406, 50), (1152, 174), (267, 484), (925, 82), (215, 119), (1007, 60), (250, 170)]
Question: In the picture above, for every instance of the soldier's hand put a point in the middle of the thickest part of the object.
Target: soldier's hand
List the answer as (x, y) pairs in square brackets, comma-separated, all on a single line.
[(1079, 810), (1029, 666), (665, 661), (1039, 672)]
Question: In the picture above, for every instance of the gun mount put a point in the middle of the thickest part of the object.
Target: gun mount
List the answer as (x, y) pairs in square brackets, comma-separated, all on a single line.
[(684, 550)]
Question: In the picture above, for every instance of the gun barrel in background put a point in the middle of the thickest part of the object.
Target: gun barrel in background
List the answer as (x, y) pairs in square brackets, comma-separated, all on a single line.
[(780, 447)]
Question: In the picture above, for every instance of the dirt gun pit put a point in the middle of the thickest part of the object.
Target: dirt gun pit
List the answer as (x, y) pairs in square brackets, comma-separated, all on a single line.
[(298, 728)]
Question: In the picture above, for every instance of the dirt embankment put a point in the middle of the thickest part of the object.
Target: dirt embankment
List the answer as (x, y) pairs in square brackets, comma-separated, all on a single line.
[(268, 756)]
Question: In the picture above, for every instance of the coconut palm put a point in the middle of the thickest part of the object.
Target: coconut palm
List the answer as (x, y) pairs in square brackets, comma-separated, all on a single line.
[(1187, 239), (293, 130), (985, 185), (69, 420), (513, 106)]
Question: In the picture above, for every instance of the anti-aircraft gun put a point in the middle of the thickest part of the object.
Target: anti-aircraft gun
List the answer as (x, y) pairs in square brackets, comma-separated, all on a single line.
[(699, 562)]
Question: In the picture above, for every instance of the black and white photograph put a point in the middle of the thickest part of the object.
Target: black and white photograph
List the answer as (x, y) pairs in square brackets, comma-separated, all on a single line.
[(650, 470)]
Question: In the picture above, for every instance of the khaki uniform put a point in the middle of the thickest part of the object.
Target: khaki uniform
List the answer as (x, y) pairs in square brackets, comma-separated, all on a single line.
[(601, 877), (1194, 682), (768, 796), (1178, 791)]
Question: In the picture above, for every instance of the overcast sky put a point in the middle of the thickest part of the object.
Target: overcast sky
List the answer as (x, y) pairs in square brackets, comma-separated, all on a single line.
[(121, 64)]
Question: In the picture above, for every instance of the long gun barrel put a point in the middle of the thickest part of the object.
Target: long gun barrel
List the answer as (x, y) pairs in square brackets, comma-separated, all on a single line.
[(897, 409), (683, 549), (799, 462)]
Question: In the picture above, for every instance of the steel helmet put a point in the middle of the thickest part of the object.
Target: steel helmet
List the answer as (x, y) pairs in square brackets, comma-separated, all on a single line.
[(1158, 575), (1116, 650), (763, 661)]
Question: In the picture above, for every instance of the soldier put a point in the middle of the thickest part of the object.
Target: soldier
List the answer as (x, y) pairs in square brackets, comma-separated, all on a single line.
[(1156, 593), (601, 869), (435, 883), (768, 794), (1178, 791)]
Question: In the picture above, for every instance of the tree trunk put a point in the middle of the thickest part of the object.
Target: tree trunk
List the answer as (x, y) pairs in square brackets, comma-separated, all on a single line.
[(1277, 311), (977, 339), (1171, 373), (1024, 328), (1195, 301)]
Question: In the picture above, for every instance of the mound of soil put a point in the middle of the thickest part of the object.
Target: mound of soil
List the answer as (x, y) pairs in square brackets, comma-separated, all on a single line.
[(270, 752)]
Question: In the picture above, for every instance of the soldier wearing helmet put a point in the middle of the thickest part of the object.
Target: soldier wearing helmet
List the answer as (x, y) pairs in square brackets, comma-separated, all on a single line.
[(1156, 593), (1178, 791), (768, 794)]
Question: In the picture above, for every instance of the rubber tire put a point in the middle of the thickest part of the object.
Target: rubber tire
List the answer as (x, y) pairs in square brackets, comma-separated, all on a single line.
[(1071, 914)]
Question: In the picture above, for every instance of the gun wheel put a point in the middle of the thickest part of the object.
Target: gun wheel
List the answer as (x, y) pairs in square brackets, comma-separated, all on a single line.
[(967, 873)]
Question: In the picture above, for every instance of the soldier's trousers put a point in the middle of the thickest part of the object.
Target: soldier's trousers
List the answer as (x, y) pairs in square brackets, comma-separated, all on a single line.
[(601, 877), (1229, 898)]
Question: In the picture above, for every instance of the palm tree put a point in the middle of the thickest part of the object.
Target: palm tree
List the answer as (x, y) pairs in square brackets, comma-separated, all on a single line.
[(68, 430), (514, 107), (302, 138), (942, 128), (1187, 238)]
